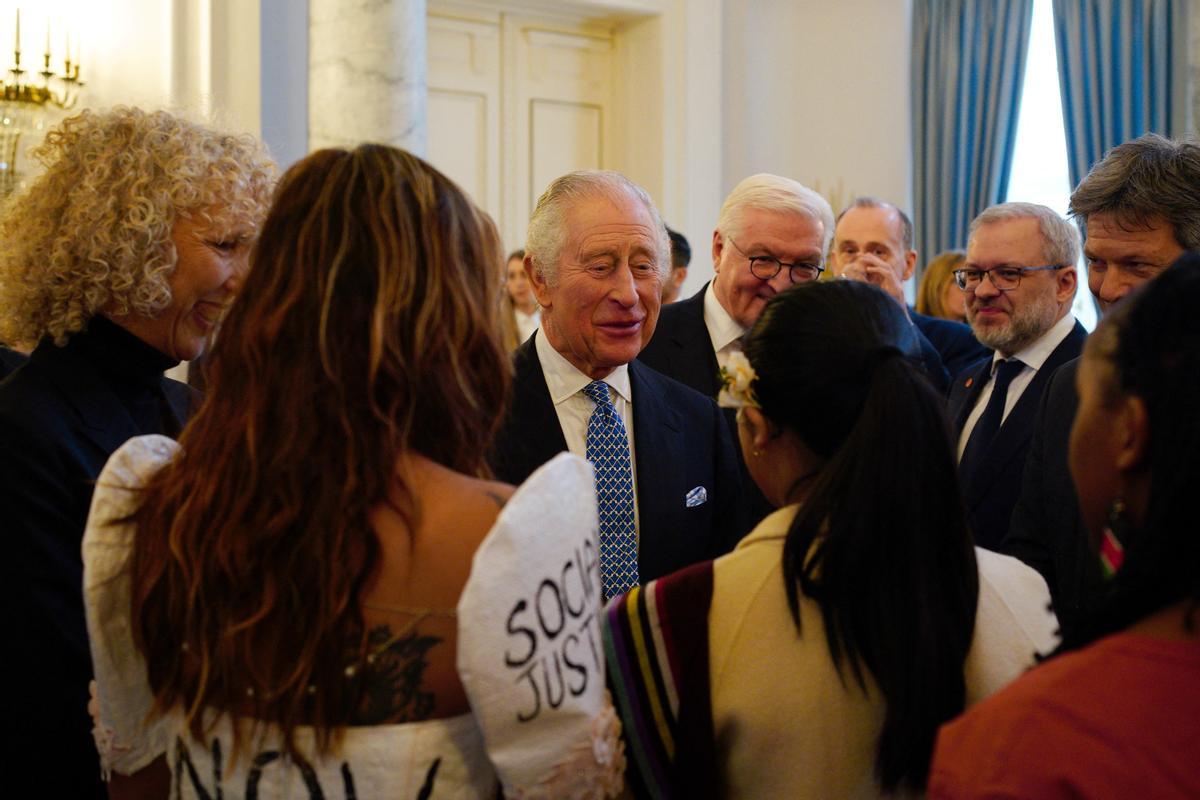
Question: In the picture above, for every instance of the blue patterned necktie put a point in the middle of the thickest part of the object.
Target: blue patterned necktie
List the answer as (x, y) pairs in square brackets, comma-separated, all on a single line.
[(608, 450)]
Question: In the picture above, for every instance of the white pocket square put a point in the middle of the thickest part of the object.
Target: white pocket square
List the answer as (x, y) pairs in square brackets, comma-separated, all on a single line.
[(696, 497)]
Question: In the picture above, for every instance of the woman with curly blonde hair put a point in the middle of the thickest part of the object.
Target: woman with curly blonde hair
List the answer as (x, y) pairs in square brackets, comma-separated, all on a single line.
[(117, 263)]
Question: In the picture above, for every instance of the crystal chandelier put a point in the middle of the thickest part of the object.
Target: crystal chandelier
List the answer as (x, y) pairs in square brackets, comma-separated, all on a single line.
[(26, 95)]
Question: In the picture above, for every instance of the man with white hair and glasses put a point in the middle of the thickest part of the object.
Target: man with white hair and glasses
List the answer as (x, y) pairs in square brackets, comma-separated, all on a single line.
[(1020, 279)]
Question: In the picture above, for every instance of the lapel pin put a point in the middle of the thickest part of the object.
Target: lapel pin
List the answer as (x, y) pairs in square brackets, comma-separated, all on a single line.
[(969, 382)]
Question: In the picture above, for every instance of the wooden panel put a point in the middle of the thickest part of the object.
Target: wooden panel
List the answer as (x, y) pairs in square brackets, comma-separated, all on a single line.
[(564, 136), (459, 140), (463, 124), (559, 78)]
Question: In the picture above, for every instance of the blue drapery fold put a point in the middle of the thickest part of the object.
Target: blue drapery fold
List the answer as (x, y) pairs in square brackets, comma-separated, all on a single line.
[(1122, 70), (968, 64)]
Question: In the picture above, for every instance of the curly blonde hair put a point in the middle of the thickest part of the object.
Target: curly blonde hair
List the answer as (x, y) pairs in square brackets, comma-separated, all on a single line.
[(94, 230)]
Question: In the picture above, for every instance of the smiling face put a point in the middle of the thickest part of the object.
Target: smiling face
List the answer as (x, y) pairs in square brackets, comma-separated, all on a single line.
[(209, 270), (602, 305), (1123, 257), (790, 237), (1010, 321)]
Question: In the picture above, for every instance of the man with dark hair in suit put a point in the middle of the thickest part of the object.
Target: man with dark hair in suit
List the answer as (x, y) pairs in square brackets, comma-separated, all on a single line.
[(1019, 277), (1141, 211), (873, 242), (681, 256), (668, 487)]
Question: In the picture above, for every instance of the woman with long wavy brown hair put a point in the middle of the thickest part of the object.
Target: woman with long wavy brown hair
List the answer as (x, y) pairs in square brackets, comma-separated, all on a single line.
[(293, 565)]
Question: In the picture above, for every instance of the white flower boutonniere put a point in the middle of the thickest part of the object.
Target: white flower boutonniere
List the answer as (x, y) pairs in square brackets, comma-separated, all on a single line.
[(737, 383)]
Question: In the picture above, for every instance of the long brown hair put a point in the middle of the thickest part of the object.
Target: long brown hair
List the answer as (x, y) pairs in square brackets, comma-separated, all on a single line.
[(367, 327)]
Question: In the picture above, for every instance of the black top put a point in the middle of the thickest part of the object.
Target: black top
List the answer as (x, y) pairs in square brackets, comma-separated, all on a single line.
[(62, 414)]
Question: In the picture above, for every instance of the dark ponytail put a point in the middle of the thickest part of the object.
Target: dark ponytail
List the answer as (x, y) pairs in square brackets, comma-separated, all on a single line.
[(881, 541)]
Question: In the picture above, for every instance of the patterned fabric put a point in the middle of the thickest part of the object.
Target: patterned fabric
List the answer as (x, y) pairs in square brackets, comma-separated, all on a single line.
[(656, 646), (608, 450)]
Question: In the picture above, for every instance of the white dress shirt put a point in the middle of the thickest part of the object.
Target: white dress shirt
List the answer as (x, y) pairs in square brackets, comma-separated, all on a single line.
[(723, 330), (527, 323), (574, 408), (1033, 357)]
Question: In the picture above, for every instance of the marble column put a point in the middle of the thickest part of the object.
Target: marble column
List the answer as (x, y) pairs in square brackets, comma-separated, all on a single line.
[(367, 73), (1194, 60)]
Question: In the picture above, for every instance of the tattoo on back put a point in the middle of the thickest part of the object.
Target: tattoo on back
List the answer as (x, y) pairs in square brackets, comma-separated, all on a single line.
[(393, 678)]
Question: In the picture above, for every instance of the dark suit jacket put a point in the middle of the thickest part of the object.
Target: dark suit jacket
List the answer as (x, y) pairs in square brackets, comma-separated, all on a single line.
[(9, 361), (681, 442), (992, 491), (1047, 531), (60, 419), (682, 349), (954, 342)]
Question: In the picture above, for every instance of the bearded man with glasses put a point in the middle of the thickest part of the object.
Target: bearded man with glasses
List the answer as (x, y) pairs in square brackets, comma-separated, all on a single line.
[(1019, 279), (772, 233)]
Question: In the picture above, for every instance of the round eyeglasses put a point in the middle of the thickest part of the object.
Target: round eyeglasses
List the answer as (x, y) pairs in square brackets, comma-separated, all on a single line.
[(767, 267), (1005, 279)]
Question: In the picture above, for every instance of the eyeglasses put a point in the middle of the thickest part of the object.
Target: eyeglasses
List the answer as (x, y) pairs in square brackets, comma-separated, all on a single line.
[(767, 267), (1005, 279)]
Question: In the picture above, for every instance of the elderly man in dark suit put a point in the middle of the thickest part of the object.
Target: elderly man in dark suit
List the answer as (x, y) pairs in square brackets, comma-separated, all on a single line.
[(873, 242), (1141, 211), (667, 481), (772, 232), (1019, 277)]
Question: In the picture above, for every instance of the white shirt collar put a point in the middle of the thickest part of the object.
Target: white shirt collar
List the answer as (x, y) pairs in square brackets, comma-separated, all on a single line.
[(1036, 354), (722, 328), (564, 380)]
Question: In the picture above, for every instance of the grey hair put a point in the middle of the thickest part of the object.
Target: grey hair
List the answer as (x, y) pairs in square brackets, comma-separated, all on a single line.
[(906, 226), (547, 232), (1146, 178), (1060, 239), (768, 192)]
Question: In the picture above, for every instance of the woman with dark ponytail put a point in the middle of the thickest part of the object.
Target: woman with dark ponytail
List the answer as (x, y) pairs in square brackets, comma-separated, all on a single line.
[(819, 658), (1116, 713)]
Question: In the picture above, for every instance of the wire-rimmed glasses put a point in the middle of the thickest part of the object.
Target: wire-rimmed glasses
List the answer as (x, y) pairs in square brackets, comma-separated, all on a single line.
[(1005, 279), (767, 267)]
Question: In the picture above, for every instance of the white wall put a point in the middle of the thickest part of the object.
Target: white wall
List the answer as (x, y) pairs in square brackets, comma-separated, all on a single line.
[(819, 92)]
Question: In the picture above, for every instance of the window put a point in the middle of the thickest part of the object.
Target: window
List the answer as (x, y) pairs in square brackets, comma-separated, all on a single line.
[(1039, 169)]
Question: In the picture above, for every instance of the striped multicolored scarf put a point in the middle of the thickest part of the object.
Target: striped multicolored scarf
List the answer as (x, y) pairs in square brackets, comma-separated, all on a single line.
[(656, 646)]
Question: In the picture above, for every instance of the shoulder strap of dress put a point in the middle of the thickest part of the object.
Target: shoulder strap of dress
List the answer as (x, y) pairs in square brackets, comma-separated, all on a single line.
[(656, 645)]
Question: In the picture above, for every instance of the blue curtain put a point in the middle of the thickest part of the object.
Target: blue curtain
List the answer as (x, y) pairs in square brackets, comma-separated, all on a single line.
[(1122, 67), (968, 63)]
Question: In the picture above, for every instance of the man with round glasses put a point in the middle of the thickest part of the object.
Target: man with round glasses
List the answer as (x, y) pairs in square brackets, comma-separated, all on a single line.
[(1019, 279), (772, 232)]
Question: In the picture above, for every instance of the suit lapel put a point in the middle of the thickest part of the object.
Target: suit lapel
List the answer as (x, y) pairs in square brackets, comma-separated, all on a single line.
[(965, 391), (690, 337), (658, 442), (1017, 428), (532, 434)]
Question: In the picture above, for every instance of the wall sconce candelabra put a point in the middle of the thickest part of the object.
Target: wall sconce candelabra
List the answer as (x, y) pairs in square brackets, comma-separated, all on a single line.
[(24, 100)]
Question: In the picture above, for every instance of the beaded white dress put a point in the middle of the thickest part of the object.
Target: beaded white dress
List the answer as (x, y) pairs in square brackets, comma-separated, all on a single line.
[(443, 758)]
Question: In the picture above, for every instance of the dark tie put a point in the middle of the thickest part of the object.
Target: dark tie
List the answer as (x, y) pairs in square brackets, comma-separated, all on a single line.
[(988, 423)]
